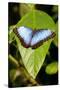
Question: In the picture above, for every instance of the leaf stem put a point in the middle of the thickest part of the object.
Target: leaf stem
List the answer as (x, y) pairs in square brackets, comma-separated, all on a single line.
[(13, 60)]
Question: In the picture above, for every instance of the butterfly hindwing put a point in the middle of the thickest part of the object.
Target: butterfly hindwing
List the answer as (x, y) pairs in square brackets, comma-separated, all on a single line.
[(41, 36)]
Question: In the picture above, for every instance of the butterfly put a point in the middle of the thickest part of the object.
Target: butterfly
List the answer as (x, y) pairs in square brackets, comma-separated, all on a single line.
[(33, 38)]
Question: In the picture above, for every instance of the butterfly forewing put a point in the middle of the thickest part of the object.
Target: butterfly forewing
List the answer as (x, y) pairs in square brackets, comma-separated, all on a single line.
[(25, 33)]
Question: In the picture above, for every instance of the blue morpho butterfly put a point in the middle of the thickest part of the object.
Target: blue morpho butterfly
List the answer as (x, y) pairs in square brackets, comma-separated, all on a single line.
[(33, 38)]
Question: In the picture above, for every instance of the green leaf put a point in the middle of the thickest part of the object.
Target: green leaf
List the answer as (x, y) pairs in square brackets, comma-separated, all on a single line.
[(37, 20), (25, 8), (11, 34), (52, 68), (33, 58)]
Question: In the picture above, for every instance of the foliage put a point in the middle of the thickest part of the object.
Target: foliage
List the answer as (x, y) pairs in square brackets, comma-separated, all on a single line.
[(52, 70)]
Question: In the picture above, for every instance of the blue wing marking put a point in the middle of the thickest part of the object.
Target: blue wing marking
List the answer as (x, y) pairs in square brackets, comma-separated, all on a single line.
[(25, 33)]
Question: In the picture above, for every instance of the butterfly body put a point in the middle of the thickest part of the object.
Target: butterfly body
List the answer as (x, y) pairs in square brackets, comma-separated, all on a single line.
[(33, 38)]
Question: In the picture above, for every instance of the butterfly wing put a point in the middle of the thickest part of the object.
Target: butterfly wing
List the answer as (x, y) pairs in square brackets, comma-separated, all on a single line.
[(41, 36), (25, 35)]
